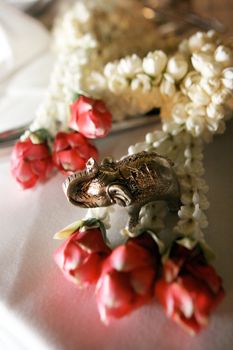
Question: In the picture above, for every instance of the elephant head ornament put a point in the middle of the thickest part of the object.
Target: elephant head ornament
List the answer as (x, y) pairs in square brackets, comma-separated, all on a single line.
[(131, 182)]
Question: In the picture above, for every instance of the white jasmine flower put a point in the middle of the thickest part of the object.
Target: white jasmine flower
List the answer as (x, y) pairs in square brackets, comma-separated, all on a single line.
[(138, 147), (78, 58), (193, 213), (152, 216), (167, 86), (192, 109), (179, 113), (154, 63), (193, 197), (210, 85), (212, 125), (165, 147), (110, 69), (156, 136), (95, 82), (142, 81), (228, 78), (193, 151), (220, 96), (205, 64), (177, 66), (192, 219), (194, 166), (215, 111), (117, 84), (189, 181), (198, 95), (130, 66), (201, 39), (84, 41), (171, 128), (192, 78), (223, 55), (196, 41)]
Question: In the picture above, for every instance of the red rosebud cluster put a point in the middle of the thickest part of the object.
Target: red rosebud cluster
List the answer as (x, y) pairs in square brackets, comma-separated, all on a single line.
[(190, 288), (127, 278), (90, 117), (81, 256), (30, 162), (71, 152)]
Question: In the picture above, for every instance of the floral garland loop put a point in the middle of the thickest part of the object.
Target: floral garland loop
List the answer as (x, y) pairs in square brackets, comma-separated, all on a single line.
[(177, 272)]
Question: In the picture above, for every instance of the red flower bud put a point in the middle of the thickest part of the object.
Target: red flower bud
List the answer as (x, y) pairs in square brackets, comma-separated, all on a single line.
[(80, 257), (127, 278), (71, 152), (90, 117), (190, 288), (30, 162)]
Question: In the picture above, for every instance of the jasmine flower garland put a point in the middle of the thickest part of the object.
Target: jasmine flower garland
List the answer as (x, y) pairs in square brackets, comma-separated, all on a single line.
[(191, 88)]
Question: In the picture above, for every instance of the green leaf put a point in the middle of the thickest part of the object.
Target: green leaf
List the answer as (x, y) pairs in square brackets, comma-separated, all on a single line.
[(104, 233), (40, 136), (68, 230), (76, 96), (91, 222)]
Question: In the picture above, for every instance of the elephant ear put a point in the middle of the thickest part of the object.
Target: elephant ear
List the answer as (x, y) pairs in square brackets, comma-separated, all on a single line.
[(119, 195)]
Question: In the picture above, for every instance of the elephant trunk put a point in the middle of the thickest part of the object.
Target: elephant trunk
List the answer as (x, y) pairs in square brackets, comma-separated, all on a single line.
[(72, 184)]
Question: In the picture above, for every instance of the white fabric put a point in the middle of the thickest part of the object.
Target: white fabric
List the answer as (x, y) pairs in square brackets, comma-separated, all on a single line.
[(22, 4), (23, 36), (25, 66), (22, 94), (49, 313)]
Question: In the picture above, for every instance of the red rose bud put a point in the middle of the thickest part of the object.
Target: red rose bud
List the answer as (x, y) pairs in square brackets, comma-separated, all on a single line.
[(90, 117), (190, 288), (127, 278), (30, 162), (71, 152), (80, 257)]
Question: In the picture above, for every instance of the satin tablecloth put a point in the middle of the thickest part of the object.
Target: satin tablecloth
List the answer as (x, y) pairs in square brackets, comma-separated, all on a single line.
[(39, 309)]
